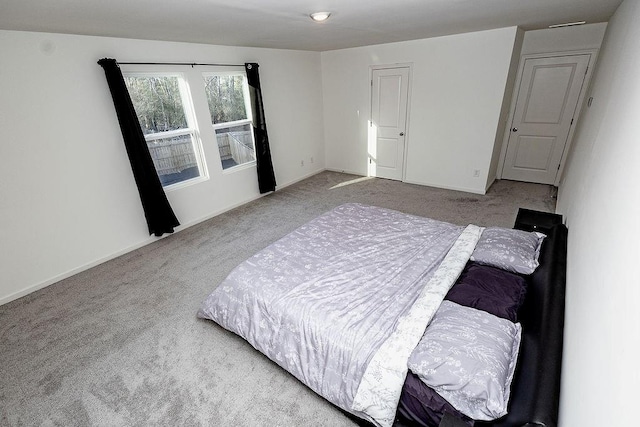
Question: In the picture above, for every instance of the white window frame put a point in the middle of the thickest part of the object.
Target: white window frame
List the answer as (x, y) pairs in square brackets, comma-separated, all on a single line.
[(191, 129), (248, 120)]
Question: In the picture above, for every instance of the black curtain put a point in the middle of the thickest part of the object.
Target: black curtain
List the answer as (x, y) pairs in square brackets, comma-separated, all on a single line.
[(158, 212), (266, 177)]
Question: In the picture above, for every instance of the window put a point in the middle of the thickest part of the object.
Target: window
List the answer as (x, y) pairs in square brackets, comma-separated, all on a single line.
[(163, 107), (228, 99)]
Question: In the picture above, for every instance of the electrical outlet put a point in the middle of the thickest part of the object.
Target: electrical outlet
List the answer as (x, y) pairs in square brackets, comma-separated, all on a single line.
[(301, 163), (476, 173), (312, 160)]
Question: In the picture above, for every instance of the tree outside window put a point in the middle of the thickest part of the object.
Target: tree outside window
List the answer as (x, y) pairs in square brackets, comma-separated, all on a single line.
[(163, 107), (228, 97)]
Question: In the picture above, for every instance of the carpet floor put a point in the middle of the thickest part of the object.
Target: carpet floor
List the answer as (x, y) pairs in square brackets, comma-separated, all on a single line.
[(120, 345)]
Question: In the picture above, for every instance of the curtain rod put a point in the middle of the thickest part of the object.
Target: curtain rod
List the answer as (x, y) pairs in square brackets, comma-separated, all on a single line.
[(193, 64)]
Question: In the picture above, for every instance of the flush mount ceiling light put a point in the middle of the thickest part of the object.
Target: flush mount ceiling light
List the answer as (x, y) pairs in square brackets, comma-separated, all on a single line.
[(320, 16), (568, 24)]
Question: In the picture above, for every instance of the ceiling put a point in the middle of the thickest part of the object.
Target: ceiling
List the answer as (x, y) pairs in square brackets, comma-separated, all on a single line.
[(285, 24)]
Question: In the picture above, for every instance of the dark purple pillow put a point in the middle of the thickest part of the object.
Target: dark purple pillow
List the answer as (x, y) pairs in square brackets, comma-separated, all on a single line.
[(490, 289), (420, 405)]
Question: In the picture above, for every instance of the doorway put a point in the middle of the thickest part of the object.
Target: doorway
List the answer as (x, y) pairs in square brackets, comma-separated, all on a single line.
[(387, 128), (549, 93)]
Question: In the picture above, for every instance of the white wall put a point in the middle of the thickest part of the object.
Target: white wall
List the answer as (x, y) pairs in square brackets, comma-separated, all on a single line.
[(600, 196), (547, 41), (67, 195), (504, 127), (579, 37), (457, 82)]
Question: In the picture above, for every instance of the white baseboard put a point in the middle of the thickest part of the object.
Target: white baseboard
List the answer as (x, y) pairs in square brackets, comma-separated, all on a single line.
[(302, 178), (489, 184), (67, 274), (57, 278), (447, 187), (346, 171), (151, 239)]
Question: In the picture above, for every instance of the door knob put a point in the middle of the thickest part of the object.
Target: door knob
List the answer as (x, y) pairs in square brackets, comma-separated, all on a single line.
[(401, 133), (514, 130)]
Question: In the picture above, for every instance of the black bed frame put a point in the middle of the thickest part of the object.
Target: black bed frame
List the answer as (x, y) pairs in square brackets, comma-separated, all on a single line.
[(535, 391)]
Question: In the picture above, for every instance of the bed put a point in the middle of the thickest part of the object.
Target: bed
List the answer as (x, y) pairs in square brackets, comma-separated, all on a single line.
[(346, 302)]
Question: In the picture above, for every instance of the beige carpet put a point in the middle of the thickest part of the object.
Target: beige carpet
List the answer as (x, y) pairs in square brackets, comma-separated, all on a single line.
[(120, 344)]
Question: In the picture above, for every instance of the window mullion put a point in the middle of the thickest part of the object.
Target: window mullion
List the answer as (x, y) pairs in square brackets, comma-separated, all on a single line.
[(169, 134), (231, 124)]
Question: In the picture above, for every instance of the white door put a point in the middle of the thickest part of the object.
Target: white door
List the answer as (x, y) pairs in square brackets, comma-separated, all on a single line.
[(390, 89), (545, 108)]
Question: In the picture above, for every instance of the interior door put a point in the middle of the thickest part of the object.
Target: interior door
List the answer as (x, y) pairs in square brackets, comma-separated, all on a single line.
[(545, 107), (390, 90)]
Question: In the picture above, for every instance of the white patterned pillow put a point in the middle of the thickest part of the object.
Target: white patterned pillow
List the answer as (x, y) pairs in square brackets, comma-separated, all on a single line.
[(512, 250), (468, 357)]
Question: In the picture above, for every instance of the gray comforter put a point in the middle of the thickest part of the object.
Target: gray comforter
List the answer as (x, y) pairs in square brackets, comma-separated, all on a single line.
[(342, 301)]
